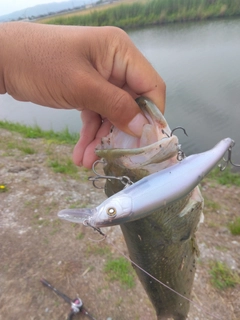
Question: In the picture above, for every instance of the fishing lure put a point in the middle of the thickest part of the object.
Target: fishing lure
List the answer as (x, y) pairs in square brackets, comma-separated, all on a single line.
[(152, 192)]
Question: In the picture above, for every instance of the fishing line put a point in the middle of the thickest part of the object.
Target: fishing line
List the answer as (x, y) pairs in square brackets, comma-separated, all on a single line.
[(154, 278), (179, 157)]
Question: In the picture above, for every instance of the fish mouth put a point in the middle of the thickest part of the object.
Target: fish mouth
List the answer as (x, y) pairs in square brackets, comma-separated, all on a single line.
[(155, 150)]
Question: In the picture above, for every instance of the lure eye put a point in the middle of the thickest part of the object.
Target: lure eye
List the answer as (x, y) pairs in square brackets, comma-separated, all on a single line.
[(111, 212)]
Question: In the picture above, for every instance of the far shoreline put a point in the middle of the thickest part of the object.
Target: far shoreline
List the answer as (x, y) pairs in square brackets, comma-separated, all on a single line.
[(136, 14)]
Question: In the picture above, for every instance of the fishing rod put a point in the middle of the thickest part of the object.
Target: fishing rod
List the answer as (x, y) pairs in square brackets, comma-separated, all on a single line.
[(76, 304)]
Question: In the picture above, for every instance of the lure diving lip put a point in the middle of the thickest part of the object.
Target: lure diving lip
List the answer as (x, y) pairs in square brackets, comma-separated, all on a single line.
[(77, 215), (152, 192)]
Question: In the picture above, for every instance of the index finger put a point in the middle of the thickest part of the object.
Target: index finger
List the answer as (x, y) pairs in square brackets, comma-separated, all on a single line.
[(145, 81), (140, 75)]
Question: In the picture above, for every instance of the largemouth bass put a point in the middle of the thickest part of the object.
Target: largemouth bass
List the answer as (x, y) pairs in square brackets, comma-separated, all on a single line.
[(158, 214), (162, 243)]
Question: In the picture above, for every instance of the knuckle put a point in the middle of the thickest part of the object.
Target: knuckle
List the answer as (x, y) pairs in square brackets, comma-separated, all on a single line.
[(120, 103), (117, 36), (116, 32)]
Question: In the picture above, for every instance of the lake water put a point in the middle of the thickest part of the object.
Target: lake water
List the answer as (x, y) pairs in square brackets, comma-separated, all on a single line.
[(200, 63)]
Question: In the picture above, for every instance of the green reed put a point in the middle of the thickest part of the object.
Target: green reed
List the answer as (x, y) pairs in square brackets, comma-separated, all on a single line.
[(152, 12)]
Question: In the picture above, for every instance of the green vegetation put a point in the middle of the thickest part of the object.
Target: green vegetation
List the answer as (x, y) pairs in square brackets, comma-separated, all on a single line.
[(20, 145), (3, 188), (26, 149), (234, 227), (38, 220), (222, 276), (211, 205), (64, 166), (80, 236), (77, 204), (98, 250), (226, 177), (152, 12), (120, 269), (36, 132)]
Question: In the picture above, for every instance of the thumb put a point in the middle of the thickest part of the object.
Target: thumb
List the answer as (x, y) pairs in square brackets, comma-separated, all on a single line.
[(126, 115), (136, 124), (118, 106)]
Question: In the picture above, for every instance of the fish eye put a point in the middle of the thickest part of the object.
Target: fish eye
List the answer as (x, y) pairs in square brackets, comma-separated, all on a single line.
[(111, 212)]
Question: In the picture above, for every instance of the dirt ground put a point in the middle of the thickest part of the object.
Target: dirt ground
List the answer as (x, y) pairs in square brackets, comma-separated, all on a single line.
[(34, 243)]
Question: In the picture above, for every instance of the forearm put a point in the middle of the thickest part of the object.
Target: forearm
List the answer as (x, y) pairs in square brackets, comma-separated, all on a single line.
[(14, 59), (43, 63), (26, 59), (12, 50)]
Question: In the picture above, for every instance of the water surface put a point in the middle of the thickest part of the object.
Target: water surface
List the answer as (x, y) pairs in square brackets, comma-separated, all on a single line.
[(200, 63)]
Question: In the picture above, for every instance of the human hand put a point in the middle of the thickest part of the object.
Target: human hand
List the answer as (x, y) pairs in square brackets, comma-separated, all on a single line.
[(96, 70)]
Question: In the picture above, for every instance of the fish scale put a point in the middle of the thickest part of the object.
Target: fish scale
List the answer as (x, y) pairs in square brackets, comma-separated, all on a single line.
[(163, 244)]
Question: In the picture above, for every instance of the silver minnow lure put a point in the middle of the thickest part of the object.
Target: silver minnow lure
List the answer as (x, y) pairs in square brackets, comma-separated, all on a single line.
[(152, 192)]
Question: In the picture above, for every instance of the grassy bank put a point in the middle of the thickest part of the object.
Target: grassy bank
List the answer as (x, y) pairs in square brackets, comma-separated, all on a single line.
[(139, 14), (36, 132), (226, 177), (75, 259)]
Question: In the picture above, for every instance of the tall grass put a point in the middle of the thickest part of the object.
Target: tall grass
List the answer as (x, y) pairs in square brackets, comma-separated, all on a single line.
[(153, 12)]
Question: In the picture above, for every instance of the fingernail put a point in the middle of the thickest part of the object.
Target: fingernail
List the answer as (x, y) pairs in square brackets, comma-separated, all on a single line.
[(137, 123)]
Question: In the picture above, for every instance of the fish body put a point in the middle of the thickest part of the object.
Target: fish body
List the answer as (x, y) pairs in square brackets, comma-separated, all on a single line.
[(162, 243), (160, 213)]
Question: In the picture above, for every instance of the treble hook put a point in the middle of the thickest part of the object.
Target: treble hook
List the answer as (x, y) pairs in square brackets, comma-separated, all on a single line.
[(177, 129), (87, 224), (125, 180), (229, 159), (181, 155), (171, 133)]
